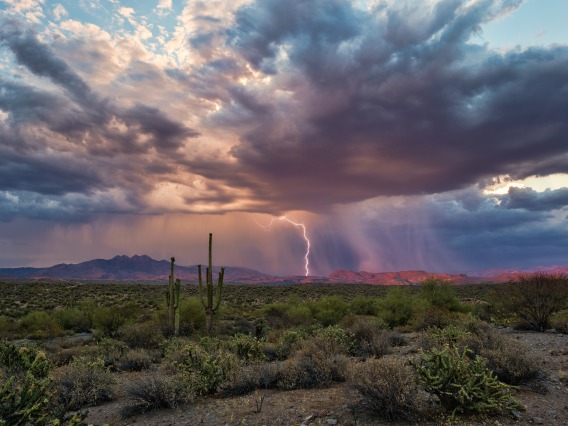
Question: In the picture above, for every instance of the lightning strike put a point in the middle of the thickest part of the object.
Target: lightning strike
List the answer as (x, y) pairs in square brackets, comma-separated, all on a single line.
[(298, 225)]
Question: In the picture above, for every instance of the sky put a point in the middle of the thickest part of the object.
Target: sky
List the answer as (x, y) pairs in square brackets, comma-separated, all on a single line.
[(401, 134)]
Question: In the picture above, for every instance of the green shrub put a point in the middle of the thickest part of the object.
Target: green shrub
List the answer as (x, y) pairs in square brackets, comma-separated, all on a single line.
[(246, 347), (74, 319), (335, 340), (440, 294), (397, 307), (560, 322), (203, 367), (40, 325), (287, 340), (84, 383), (363, 305), (461, 383), (329, 310), (107, 320), (387, 387), (298, 315), (192, 316)]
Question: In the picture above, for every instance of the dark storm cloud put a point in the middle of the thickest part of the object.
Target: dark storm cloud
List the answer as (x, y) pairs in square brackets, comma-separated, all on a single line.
[(35, 56), (45, 175), (58, 142), (395, 101), (529, 199)]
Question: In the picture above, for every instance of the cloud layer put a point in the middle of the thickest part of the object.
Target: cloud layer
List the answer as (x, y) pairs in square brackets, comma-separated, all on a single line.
[(327, 106)]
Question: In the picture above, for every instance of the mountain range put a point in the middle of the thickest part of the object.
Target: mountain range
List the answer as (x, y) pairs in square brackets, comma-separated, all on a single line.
[(144, 268)]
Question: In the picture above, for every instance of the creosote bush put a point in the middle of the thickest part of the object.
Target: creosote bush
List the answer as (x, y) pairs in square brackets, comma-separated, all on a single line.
[(387, 387), (535, 298), (155, 393), (84, 383)]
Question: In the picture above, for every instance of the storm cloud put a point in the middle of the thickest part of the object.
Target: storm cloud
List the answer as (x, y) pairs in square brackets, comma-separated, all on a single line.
[(386, 121)]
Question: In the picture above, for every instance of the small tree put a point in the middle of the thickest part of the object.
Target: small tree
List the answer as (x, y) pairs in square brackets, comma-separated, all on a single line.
[(535, 297)]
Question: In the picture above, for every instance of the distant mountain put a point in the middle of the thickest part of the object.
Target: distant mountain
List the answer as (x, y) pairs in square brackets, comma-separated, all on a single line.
[(120, 268), (144, 268), (397, 278)]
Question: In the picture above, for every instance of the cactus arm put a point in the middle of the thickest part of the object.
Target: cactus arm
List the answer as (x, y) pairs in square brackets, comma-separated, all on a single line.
[(176, 306), (201, 299), (219, 288)]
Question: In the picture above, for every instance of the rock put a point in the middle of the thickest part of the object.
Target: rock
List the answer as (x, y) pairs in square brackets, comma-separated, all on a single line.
[(331, 421), (537, 421), (307, 420), (516, 414)]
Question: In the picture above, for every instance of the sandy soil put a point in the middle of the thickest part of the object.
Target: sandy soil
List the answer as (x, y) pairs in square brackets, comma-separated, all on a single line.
[(546, 402)]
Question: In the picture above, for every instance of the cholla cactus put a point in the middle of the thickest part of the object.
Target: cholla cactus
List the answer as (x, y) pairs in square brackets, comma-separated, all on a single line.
[(207, 299)]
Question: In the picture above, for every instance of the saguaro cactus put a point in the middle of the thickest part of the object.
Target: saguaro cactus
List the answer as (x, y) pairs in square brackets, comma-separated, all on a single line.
[(172, 300), (207, 299)]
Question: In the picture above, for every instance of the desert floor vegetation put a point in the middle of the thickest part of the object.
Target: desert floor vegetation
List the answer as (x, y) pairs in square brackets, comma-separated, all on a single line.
[(78, 353)]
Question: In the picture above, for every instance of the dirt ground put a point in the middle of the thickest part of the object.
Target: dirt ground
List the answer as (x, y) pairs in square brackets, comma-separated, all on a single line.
[(545, 403)]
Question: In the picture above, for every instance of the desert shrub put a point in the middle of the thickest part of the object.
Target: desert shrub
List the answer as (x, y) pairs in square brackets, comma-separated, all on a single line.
[(560, 322), (312, 366), (155, 393), (246, 347), (387, 387), (397, 307), (135, 360), (73, 319), (7, 327), (287, 340), (369, 338), (265, 375), (275, 314), (40, 325), (298, 315), (510, 360), (84, 383), (534, 298), (335, 340), (329, 310), (440, 294), (111, 351), (362, 305), (461, 383), (192, 316), (107, 320), (203, 367), (434, 316), (145, 335)]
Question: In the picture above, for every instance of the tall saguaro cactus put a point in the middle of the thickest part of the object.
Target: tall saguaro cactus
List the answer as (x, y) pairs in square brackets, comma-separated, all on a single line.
[(207, 299), (172, 299)]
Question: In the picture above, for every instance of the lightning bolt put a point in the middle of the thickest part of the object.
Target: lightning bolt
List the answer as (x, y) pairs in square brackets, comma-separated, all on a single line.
[(298, 225)]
